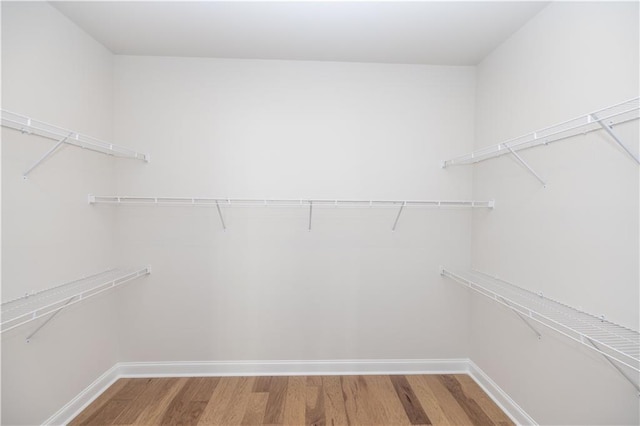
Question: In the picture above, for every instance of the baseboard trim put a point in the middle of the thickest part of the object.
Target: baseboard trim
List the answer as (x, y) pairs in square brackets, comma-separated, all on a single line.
[(292, 367), (84, 398), (289, 368), (500, 397)]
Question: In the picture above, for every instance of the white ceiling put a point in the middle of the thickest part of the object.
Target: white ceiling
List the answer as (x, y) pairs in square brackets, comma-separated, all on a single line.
[(438, 33)]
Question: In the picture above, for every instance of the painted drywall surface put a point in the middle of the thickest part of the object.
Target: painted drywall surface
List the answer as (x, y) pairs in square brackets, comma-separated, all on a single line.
[(267, 288), (577, 239), (54, 72)]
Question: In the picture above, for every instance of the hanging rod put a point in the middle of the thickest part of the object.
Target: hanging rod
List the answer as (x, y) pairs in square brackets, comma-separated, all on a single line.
[(29, 125), (306, 202), (618, 344), (260, 202), (605, 119), (49, 302)]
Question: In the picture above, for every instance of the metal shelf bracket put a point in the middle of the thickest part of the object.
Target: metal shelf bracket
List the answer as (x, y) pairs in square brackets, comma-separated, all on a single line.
[(609, 131), (52, 316), (525, 165), (46, 155), (224, 227), (614, 365), (522, 317), (395, 223)]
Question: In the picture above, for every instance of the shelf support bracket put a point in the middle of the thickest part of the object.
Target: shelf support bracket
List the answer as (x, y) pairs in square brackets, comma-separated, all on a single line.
[(537, 333), (525, 165), (310, 213), (52, 316), (614, 365), (47, 155), (224, 227), (395, 223), (609, 130)]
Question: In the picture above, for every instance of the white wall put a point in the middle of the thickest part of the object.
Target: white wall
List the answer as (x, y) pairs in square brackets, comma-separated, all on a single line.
[(577, 239), (267, 288), (53, 71)]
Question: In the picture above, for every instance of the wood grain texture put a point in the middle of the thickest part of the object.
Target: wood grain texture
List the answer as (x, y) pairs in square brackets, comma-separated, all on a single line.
[(256, 407), (295, 400), (294, 406), (471, 388), (410, 401), (99, 402), (335, 412), (429, 401)]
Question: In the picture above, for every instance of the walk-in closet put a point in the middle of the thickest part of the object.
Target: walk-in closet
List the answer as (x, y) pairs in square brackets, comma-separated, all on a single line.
[(308, 212)]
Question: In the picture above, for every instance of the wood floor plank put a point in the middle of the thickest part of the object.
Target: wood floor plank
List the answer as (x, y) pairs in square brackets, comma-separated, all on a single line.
[(385, 402), (152, 391), (473, 390), (256, 407), (109, 413), (294, 406), (207, 386), (262, 384), (409, 401), (235, 410), (448, 403), (428, 400), (314, 406), (188, 405), (335, 412), (355, 396), (373, 400), (314, 380), (469, 405), (99, 402), (219, 401), (154, 411), (132, 389), (274, 414)]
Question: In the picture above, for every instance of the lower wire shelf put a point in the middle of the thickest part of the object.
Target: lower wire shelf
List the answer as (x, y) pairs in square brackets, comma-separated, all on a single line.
[(617, 343), (30, 307)]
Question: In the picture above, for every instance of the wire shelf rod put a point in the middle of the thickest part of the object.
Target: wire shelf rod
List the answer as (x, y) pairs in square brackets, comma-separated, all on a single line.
[(261, 202), (32, 306), (565, 314), (609, 345), (616, 114), (29, 125)]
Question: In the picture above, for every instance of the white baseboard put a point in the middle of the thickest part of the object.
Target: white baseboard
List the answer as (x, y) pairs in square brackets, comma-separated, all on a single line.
[(84, 398), (289, 368), (292, 368), (500, 397)]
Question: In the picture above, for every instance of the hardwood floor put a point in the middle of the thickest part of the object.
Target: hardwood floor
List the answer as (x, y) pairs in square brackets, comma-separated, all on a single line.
[(295, 400)]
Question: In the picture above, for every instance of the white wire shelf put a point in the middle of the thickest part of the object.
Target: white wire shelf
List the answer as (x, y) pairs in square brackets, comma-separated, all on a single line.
[(254, 202), (219, 203), (614, 341), (603, 119), (30, 307), (29, 125)]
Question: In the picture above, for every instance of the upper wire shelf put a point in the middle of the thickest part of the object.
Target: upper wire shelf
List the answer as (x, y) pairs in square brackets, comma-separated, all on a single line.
[(29, 125), (256, 202), (32, 306), (308, 203), (612, 340), (605, 119)]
